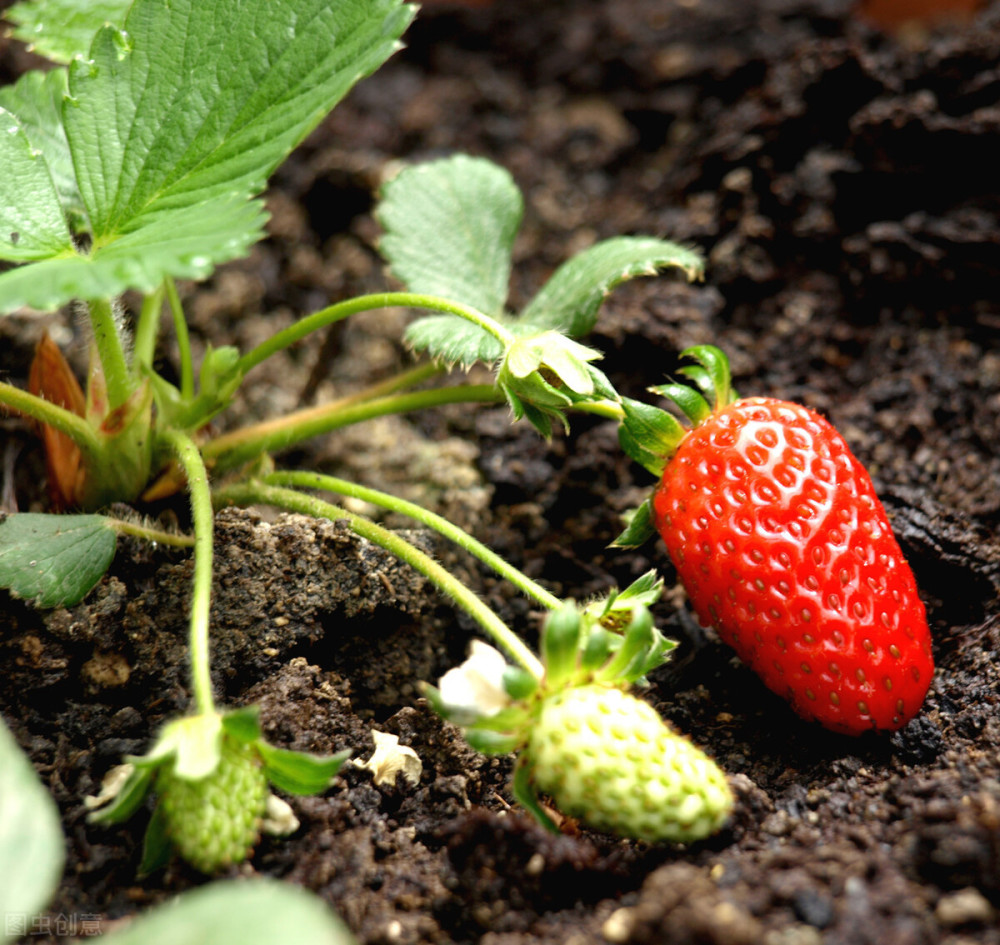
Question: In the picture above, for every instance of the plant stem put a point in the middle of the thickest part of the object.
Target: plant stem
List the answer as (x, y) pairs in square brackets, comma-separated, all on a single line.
[(65, 421), (365, 303), (107, 337), (240, 446), (156, 535), (201, 587), (601, 408), (146, 330), (257, 492), (183, 339), (310, 480)]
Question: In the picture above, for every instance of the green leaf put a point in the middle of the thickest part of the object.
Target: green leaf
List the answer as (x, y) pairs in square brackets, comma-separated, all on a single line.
[(186, 244), (449, 228), (54, 560), (297, 772), (32, 224), (31, 840), (570, 300), (237, 912), (62, 29), (36, 99), (453, 340), (177, 121)]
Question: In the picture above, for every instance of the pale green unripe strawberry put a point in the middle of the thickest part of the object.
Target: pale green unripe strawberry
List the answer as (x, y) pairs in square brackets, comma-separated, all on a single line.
[(214, 821), (608, 759)]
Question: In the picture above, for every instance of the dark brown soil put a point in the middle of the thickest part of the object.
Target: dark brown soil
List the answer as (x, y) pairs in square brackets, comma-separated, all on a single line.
[(843, 184)]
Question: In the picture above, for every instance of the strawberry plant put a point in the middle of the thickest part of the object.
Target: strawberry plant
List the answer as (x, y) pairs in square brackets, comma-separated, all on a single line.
[(140, 162), (783, 546)]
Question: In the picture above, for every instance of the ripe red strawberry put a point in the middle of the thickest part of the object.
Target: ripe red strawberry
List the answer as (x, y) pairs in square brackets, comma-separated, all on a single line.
[(782, 545)]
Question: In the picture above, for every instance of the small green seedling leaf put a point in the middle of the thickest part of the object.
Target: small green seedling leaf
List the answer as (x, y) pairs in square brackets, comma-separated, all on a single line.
[(449, 227), (297, 772), (63, 29), (31, 841), (237, 912), (570, 300), (54, 560)]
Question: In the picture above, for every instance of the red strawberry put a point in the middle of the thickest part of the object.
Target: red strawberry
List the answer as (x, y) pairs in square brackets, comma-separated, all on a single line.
[(782, 545)]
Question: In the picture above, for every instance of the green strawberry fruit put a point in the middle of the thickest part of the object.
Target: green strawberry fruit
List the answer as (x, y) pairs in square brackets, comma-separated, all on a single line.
[(608, 759), (214, 822)]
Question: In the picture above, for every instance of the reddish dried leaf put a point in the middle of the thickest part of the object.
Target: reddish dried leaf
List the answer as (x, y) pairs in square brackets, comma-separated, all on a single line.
[(52, 379)]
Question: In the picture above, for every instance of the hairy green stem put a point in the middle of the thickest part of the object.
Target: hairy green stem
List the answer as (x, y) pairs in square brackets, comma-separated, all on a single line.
[(366, 303), (65, 421), (155, 535), (111, 351), (146, 330), (257, 492), (310, 480), (183, 339), (240, 446), (201, 588)]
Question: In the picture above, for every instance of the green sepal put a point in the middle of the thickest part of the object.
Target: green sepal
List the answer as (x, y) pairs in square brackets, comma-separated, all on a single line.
[(639, 527), (524, 793), (696, 408), (297, 772), (156, 847), (243, 724), (715, 365), (561, 638), (615, 611), (519, 683), (599, 646), (646, 458), (635, 645), (654, 429), (129, 799), (492, 743)]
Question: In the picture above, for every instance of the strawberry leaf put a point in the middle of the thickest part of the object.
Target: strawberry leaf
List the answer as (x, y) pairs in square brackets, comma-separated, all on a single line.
[(173, 125), (570, 300), (32, 223), (31, 841), (449, 227), (36, 100), (62, 29), (54, 560)]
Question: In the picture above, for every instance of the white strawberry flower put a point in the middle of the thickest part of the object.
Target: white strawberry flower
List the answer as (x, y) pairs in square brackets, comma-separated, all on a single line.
[(475, 690)]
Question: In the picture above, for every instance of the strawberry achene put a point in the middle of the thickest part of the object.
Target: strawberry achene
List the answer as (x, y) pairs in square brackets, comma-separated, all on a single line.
[(783, 546)]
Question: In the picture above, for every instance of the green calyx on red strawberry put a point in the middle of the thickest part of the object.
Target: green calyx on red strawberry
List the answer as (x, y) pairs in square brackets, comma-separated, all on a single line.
[(784, 548), (211, 773), (582, 739)]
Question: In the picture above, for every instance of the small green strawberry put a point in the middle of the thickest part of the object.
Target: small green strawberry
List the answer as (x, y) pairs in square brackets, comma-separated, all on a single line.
[(211, 771), (602, 755), (214, 821), (608, 759)]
